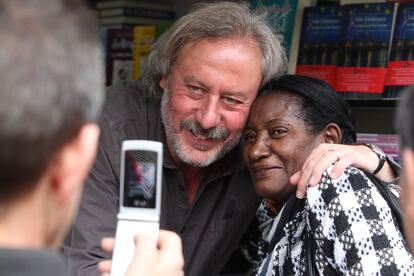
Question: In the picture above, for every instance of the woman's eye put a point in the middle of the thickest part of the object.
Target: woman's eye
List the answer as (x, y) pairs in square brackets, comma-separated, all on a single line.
[(278, 131), (248, 138)]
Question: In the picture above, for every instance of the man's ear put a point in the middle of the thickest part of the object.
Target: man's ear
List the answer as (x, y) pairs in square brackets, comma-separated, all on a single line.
[(163, 82), (72, 162), (332, 134)]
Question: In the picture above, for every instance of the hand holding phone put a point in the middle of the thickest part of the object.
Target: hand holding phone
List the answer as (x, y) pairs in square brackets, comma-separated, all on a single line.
[(139, 200)]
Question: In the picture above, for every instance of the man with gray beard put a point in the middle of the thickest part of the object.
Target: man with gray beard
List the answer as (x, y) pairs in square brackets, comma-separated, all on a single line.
[(203, 74), (211, 70)]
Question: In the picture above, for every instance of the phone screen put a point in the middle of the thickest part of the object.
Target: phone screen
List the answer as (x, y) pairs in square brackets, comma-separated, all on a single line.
[(140, 178)]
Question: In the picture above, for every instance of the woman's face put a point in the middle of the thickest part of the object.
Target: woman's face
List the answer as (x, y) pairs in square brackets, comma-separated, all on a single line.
[(276, 144)]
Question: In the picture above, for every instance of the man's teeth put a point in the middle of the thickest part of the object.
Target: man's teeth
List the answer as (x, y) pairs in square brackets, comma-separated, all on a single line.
[(201, 137)]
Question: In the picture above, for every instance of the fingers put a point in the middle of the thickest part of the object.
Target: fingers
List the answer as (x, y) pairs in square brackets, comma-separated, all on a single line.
[(145, 257), (104, 267), (145, 247), (340, 166), (157, 257), (320, 159), (107, 244), (307, 172)]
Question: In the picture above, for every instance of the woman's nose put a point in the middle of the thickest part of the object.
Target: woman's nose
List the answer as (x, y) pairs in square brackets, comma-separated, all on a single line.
[(260, 149)]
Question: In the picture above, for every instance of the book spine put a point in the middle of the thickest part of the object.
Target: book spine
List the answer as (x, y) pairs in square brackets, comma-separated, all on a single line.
[(134, 4), (131, 20), (138, 12)]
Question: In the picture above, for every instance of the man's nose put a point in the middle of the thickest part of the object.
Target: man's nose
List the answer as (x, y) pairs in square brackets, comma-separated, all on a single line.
[(208, 115)]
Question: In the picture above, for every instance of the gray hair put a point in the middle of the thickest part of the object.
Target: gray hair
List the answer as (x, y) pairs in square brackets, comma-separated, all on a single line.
[(51, 80), (214, 21)]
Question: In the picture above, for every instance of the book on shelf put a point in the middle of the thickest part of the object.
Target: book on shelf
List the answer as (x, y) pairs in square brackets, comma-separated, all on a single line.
[(103, 37), (132, 20), (363, 58), (319, 43), (401, 65), (144, 37), (119, 45), (153, 5), (137, 12), (347, 2), (388, 143)]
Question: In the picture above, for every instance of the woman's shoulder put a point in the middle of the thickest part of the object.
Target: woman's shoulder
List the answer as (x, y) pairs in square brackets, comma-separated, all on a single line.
[(354, 226), (328, 189), (353, 187)]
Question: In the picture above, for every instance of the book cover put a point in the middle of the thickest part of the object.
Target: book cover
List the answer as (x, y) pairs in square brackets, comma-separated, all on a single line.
[(137, 12), (366, 33), (319, 43), (281, 16), (401, 65), (119, 55), (144, 36)]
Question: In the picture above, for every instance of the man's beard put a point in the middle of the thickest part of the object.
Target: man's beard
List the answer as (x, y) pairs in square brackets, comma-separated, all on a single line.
[(181, 149)]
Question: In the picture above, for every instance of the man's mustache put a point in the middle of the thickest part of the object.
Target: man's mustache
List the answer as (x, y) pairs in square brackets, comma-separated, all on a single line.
[(215, 133)]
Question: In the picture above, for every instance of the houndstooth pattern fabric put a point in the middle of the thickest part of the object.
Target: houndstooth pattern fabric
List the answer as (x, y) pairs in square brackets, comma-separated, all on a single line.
[(353, 228)]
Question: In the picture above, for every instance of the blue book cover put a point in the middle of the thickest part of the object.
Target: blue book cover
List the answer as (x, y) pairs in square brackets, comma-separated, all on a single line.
[(319, 42), (366, 34), (280, 15), (321, 35), (401, 65)]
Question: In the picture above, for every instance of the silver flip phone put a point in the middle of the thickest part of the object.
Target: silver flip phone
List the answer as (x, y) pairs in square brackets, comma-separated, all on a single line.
[(139, 199)]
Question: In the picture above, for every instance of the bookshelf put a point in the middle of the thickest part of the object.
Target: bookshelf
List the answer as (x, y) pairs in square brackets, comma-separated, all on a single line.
[(372, 115)]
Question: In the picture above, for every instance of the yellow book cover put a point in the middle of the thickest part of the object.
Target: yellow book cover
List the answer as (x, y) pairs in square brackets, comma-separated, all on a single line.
[(144, 36)]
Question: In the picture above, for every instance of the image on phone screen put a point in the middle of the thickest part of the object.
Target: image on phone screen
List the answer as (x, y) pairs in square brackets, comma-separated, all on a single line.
[(140, 178)]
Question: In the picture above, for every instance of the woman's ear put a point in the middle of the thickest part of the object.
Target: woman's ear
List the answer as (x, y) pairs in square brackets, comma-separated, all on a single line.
[(332, 134)]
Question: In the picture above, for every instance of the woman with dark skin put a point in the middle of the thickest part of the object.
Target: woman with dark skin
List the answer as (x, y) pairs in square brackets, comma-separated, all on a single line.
[(347, 219)]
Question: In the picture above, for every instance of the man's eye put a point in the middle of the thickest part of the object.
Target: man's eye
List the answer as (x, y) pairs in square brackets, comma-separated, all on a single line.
[(231, 101), (195, 89)]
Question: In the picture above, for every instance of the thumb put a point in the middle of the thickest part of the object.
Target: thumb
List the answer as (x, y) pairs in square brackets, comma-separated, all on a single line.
[(145, 254), (294, 179)]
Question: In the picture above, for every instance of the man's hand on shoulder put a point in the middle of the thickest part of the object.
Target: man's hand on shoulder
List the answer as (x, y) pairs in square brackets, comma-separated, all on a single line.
[(341, 156)]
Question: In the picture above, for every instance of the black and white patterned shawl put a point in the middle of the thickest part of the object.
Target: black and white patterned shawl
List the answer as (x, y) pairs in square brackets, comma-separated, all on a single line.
[(353, 228)]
